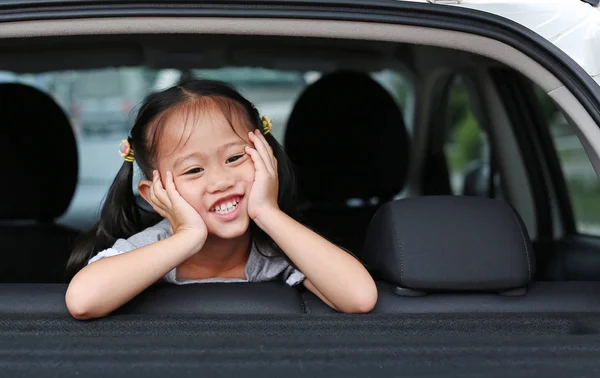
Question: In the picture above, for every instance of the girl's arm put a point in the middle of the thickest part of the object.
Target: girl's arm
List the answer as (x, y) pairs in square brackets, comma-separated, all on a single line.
[(107, 284), (332, 274)]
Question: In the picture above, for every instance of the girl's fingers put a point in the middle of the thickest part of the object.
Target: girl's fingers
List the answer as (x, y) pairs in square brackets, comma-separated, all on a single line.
[(172, 192), (264, 140), (259, 164), (155, 203), (153, 198), (269, 149), (263, 149), (159, 191), (159, 210)]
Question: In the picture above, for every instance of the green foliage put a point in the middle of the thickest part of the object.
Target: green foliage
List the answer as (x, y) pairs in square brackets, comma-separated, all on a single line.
[(468, 142), (465, 134)]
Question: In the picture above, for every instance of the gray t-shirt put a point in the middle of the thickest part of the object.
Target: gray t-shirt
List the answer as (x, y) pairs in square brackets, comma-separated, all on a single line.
[(259, 268)]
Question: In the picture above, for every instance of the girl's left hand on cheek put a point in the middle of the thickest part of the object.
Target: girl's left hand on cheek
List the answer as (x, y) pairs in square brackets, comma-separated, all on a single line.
[(263, 194)]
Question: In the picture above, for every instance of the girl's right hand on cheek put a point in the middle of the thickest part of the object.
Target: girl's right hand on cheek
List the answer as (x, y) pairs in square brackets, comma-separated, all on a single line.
[(167, 202)]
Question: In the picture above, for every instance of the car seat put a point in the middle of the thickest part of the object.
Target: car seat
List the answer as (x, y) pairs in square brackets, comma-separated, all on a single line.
[(350, 149), (39, 167)]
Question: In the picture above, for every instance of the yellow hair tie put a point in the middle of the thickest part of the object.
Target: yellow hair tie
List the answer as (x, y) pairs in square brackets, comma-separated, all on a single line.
[(266, 124), (126, 151)]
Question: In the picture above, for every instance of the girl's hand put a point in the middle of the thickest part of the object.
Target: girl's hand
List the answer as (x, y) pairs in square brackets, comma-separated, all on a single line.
[(263, 194), (171, 205)]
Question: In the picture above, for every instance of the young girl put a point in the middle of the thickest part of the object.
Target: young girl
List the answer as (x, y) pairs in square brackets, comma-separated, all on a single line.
[(222, 213)]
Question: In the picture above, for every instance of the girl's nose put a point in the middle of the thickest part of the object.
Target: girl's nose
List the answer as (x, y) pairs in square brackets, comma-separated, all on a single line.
[(219, 181)]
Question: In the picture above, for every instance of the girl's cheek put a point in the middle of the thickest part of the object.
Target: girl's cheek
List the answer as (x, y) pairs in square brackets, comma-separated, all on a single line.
[(250, 171), (183, 190), (246, 170)]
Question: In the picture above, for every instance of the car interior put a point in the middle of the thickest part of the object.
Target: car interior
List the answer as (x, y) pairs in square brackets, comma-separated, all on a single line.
[(453, 166)]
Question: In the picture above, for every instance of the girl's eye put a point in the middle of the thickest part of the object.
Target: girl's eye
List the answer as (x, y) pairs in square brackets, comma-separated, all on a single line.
[(235, 158), (193, 171)]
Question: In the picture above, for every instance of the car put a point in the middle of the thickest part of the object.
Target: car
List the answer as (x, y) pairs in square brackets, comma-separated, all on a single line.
[(103, 100), (452, 146)]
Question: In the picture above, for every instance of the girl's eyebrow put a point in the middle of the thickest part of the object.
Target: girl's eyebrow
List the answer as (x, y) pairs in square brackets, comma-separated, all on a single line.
[(232, 144), (182, 159)]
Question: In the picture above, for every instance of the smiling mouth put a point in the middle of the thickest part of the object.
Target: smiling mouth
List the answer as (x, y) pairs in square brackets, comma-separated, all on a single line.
[(226, 207)]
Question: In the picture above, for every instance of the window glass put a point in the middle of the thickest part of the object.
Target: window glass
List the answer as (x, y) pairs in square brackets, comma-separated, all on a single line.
[(101, 105), (581, 179), (402, 90), (466, 146)]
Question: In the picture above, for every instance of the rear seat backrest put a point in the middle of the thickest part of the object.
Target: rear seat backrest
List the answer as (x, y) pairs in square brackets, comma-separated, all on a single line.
[(39, 159), (347, 140), (460, 255), (164, 300), (453, 255)]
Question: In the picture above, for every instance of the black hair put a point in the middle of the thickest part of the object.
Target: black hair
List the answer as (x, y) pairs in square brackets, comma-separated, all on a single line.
[(122, 215)]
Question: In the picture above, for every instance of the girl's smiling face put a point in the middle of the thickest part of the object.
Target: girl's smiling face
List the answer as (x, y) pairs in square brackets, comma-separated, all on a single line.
[(211, 171)]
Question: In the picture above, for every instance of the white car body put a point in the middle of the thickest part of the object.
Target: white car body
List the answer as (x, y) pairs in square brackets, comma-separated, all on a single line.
[(571, 25)]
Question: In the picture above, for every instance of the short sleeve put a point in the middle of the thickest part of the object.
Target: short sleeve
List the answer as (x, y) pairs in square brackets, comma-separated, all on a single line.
[(150, 235), (106, 253), (267, 266), (293, 276)]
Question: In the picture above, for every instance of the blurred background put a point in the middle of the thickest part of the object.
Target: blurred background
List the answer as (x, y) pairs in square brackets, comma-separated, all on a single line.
[(102, 104)]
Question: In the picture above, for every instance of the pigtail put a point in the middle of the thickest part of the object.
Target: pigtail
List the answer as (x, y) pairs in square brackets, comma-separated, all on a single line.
[(120, 217)]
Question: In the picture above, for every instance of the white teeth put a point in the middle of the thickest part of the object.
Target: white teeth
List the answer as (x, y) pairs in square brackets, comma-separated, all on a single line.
[(228, 207)]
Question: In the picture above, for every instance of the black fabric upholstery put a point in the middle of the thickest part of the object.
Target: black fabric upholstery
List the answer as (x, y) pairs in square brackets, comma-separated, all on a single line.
[(222, 298), (292, 346), (276, 298), (39, 152), (346, 136), (163, 300), (342, 225), (38, 343), (449, 243), (189, 331), (35, 253), (541, 297), (289, 327), (347, 140)]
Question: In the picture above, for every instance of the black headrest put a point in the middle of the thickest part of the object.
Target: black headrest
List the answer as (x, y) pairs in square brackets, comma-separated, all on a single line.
[(449, 243), (38, 153), (347, 139)]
